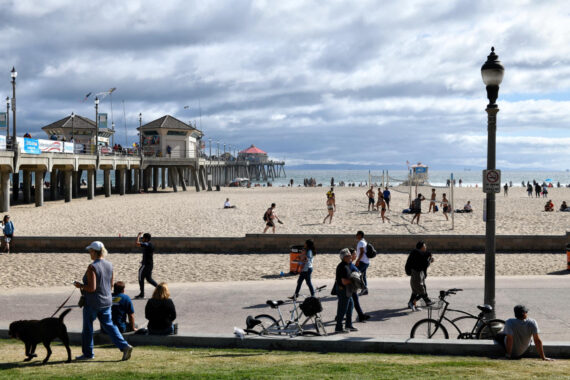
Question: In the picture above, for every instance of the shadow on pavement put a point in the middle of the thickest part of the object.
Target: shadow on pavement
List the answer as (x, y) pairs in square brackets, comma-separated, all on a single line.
[(560, 272), (386, 314)]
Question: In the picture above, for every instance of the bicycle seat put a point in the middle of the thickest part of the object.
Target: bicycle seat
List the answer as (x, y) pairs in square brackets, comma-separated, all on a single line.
[(251, 322), (274, 304), (485, 308)]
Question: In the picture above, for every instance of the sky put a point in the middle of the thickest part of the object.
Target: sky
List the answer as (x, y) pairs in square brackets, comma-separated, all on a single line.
[(366, 83)]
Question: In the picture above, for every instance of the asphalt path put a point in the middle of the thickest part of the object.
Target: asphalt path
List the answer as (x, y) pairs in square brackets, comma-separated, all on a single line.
[(216, 307)]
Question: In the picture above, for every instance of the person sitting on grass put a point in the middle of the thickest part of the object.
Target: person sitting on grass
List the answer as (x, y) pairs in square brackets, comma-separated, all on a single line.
[(160, 311), (515, 338)]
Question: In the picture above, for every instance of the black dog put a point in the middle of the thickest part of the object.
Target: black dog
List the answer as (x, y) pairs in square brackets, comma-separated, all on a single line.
[(32, 332)]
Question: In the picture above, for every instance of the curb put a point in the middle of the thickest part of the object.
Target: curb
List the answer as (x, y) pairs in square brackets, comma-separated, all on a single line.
[(333, 343)]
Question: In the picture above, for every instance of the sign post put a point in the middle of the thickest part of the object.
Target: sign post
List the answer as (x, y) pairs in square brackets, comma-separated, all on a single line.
[(492, 181)]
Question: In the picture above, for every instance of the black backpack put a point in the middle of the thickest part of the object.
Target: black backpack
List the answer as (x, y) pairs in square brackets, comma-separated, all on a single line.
[(311, 306), (370, 251)]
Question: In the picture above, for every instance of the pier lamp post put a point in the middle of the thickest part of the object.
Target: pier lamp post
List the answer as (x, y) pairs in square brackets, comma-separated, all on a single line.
[(210, 167), (218, 154), (492, 73), (140, 136), (113, 127), (97, 124), (7, 118), (73, 128), (14, 74)]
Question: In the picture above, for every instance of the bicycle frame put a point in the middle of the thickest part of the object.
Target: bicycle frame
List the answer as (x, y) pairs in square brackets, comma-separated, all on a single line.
[(465, 315)]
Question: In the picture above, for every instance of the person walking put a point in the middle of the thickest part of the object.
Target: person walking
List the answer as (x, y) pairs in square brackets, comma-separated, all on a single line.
[(446, 207), (331, 206), (8, 227), (147, 263), (309, 253), (382, 207), (362, 260), (96, 287), (516, 336), (362, 317), (344, 292), (416, 267), (269, 217)]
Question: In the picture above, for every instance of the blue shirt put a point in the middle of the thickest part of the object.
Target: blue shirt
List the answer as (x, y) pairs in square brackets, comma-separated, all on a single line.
[(122, 306), (309, 264), (9, 228), (386, 194)]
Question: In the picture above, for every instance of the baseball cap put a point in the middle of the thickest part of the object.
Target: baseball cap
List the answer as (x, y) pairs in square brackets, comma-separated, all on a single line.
[(520, 310), (96, 245), (344, 252)]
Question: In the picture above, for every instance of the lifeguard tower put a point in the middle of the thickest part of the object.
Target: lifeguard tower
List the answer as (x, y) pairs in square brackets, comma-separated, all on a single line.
[(419, 174)]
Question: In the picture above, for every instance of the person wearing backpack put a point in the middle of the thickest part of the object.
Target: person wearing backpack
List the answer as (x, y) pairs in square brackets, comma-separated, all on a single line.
[(416, 267), (309, 252), (269, 218), (362, 260)]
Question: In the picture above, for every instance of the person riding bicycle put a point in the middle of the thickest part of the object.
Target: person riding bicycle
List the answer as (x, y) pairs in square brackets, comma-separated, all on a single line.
[(515, 338), (416, 267)]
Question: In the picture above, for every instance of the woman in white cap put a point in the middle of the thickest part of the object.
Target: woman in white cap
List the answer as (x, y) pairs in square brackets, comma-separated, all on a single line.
[(96, 287)]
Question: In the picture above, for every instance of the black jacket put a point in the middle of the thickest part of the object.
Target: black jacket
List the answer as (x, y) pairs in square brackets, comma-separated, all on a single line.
[(418, 260), (160, 313)]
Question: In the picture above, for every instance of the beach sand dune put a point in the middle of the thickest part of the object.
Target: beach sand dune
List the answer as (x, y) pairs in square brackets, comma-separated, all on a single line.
[(301, 209), (60, 269)]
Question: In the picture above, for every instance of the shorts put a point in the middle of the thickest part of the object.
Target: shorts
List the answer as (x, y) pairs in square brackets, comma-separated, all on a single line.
[(8, 237), (383, 208), (371, 201), (387, 200), (330, 207), (270, 223), (445, 208), (416, 211)]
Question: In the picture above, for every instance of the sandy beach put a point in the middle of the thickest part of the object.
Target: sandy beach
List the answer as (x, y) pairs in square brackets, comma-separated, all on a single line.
[(33, 270), (301, 209)]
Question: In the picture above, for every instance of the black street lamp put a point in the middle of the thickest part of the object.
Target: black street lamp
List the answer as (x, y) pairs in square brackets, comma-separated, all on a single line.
[(14, 74), (7, 118), (97, 124), (140, 135), (492, 73)]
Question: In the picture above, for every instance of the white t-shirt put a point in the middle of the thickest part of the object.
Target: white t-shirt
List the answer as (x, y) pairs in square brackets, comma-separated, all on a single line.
[(227, 204), (362, 244)]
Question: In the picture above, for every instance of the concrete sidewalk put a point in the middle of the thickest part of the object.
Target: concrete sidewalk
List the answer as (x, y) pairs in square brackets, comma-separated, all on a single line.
[(215, 308)]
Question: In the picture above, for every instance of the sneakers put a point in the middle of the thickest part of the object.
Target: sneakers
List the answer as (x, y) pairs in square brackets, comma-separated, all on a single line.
[(364, 292), (351, 329), (83, 357), (127, 351), (293, 297), (140, 296), (341, 331), (411, 306), (418, 308), (429, 302), (364, 317)]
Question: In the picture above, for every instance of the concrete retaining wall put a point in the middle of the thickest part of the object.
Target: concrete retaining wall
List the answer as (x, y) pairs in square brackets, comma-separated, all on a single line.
[(333, 343), (269, 243)]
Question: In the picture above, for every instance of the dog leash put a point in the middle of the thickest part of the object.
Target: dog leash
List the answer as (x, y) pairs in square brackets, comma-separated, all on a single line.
[(64, 302)]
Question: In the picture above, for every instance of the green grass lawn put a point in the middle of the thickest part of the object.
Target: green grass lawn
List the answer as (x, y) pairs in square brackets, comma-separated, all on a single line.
[(178, 363)]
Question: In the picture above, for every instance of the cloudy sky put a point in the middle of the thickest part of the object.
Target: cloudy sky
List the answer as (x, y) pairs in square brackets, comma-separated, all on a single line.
[(313, 82)]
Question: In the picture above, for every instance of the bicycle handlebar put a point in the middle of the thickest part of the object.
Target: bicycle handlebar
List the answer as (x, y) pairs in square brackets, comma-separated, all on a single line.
[(445, 293)]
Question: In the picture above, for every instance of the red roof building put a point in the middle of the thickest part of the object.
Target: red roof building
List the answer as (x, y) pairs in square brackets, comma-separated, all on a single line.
[(253, 154)]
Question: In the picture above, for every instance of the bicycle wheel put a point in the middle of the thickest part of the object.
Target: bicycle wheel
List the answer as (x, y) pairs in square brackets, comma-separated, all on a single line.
[(320, 326), (268, 325), (429, 329), (489, 329)]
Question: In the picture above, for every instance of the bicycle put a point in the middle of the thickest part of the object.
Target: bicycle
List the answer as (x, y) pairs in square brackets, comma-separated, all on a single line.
[(431, 328), (311, 307)]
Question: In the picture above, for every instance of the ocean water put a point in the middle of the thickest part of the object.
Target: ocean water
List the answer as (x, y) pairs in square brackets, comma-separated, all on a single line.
[(435, 177)]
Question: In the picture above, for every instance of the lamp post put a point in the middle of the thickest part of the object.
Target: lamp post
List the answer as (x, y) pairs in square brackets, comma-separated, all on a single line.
[(210, 167), (97, 124), (140, 136), (113, 127), (73, 129), (7, 118), (218, 154), (14, 74), (492, 73)]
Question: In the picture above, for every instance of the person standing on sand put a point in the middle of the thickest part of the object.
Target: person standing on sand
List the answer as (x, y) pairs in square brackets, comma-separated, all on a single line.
[(432, 201), (147, 263), (387, 195), (445, 206), (270, 216), (417, 208), (8, 228), (506, 189), (537, 190), (382, 207), (529, 190), (331, 206), (370, 195)]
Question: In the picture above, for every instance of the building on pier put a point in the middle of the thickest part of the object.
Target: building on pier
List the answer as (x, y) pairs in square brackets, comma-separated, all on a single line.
[(254, 155), (170, 137), (80, 129)]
